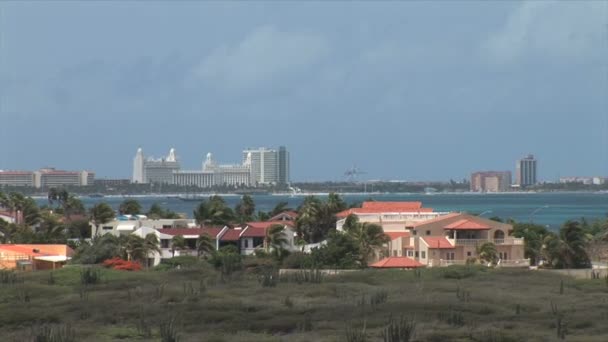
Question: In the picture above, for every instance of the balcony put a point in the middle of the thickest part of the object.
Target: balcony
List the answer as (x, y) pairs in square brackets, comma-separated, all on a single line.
[(478, 242)]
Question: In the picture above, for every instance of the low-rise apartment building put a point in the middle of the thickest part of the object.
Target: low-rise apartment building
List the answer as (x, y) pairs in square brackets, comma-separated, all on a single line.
[(247, 239), (438, 238), (127, 224)]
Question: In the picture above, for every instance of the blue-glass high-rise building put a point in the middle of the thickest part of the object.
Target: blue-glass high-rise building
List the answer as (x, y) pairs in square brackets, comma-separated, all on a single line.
[(525, 171)]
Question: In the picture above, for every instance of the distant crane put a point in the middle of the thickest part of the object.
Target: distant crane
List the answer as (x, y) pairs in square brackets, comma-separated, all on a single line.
[(352, 173)]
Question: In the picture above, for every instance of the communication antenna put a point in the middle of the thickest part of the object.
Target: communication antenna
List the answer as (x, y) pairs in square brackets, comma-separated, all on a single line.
[(352, 173)]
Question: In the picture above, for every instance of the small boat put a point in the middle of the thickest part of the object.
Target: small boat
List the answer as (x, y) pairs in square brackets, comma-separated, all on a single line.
[(192, 198), (96, 195)]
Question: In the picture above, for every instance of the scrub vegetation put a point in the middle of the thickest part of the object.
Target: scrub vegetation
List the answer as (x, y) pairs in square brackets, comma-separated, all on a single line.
[(196, 302)]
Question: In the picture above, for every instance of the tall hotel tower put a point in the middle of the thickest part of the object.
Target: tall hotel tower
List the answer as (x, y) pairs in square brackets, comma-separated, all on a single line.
[(525, 171)]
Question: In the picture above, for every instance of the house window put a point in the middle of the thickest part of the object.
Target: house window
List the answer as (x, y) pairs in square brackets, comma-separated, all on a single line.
[(469, 254), (428, 232), (410, 253), (449, 255), (416, 254), (164, 243), (246, 243), (423, 253), (414, 232)]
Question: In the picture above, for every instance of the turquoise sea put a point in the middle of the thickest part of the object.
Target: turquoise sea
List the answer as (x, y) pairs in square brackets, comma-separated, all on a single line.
[(550, 209)]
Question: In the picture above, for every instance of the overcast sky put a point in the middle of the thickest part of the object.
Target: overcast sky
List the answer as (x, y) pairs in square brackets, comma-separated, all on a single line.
[(404, 90)]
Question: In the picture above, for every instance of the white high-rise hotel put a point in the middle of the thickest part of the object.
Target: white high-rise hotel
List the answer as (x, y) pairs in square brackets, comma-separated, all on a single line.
[(150, 170), (268, 166), (260, 166)]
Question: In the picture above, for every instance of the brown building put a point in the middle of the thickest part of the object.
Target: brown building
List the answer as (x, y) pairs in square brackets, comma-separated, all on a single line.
[(491, 181)]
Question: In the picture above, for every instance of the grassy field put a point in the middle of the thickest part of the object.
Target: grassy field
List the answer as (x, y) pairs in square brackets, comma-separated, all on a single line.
[(450, 304)]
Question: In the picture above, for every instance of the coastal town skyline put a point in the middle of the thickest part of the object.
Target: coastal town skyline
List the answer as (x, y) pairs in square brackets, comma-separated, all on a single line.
[(382, 86)]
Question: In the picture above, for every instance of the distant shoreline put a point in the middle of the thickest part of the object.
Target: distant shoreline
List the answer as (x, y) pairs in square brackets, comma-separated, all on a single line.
[(344, 194)]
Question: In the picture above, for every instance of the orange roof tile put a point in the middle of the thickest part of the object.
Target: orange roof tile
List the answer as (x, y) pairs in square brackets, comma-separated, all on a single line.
[(386, 207), (38, 249), (396, 235), (467, 224), (232, 234), (397, 262), (254, 232), (289, 213), (212, 232), (437, 242)]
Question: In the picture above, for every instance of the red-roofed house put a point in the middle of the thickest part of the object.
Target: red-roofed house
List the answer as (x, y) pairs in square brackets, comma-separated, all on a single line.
[(253, 236), (397, 262), (288, 215), (392, 216), (454, 238)]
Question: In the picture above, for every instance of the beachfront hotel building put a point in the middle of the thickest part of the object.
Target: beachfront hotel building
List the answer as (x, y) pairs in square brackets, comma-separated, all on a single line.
[(491, 181), (214, 174), (46, 178), (268, 166), (525, 171), (16, 178), (420, 235)]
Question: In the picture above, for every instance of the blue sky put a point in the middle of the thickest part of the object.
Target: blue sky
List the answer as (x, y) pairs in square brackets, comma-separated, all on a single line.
[(404, 90)]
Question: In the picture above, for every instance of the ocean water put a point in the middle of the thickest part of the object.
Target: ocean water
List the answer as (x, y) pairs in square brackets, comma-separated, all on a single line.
[(550, 209)]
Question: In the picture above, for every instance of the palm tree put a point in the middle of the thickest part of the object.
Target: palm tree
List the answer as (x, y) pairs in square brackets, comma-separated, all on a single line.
[(307, 223), (151, 245), (72, 205), (275, 239), (100, 214), (245, 208), (178, 243), (575, 242), (129, 207), (201, 214), (369, 236), (30, 212), (487, 253), (132, 247), (204, 245), (52, 196)]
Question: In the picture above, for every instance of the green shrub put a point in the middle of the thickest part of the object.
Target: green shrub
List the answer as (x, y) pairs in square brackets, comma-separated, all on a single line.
[(183, 261), (288, 302), (268, 278), (51, 279), (354, 334), (491, 335), (90, 276), (8, 277), (452, 317), (169, 330), (314, 276), (53, 333), (378, 297), (401, 330), (460, 272), (297, 260), (306, 323)]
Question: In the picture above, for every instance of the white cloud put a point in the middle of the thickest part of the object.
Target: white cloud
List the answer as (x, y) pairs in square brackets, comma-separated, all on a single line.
[(550, 29), (265, 55)]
